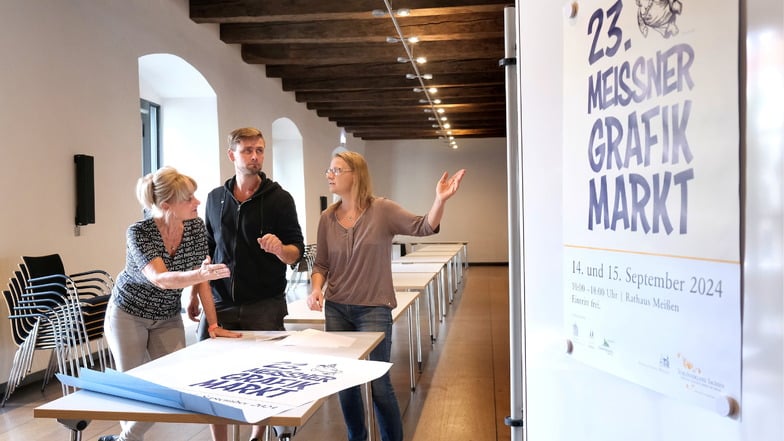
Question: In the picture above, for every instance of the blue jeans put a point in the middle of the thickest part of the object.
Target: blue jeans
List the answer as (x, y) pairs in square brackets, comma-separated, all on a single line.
[(368, 319)]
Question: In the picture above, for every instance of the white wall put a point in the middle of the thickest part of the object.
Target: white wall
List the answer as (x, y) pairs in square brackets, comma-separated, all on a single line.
[(407, 172), (70, 85), (190, 139), (286, 141), (567, 400)]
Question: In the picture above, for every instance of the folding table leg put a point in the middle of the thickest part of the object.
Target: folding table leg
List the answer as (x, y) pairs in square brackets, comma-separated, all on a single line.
[(284, 433), (75, 426)]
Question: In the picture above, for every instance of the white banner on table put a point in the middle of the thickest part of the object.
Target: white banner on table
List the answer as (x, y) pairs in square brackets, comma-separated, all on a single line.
[(651, 194), (236, 384)]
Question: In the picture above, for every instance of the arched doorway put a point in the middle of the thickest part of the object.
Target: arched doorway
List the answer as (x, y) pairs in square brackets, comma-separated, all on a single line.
[(189, 118)]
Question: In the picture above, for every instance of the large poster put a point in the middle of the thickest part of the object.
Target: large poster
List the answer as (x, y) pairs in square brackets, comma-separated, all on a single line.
[(651, 195), (240, 379)]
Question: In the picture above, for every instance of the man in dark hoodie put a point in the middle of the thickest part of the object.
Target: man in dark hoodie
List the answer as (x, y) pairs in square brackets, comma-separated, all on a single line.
[(252, 227)]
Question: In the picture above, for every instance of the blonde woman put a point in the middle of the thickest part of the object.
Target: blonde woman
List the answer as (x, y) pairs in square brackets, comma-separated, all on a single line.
[(165, 253), (354, 257)]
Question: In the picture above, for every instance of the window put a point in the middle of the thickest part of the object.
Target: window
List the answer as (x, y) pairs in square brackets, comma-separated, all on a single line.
[(152, 150)]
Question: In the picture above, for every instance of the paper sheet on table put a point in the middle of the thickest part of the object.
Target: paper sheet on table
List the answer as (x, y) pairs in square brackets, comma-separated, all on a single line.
[(239, 384), (316, 339)]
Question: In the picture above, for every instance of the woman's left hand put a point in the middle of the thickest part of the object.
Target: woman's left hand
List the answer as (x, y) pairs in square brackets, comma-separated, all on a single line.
[(447, 186)]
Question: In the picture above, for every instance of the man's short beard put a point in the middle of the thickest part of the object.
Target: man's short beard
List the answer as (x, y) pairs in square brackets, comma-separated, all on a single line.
[(250, 170)]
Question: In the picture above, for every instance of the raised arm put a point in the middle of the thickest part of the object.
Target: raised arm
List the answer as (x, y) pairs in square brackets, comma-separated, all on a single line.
[(445, 189)]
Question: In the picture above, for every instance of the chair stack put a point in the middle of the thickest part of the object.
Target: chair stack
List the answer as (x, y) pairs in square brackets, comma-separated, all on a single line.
[(301, 269), (61, 313)]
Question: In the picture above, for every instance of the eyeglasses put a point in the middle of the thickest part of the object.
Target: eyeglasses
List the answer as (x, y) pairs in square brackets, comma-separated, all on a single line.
[(337, 171)]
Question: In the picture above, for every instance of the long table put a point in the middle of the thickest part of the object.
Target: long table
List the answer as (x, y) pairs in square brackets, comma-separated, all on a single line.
[(422, 282), (299, 313), (440, 269), (76, 410), (460, 247), (458, 251), (450, 258)]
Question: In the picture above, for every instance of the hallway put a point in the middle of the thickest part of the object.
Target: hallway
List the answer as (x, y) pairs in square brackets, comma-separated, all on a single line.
[(461, 394)]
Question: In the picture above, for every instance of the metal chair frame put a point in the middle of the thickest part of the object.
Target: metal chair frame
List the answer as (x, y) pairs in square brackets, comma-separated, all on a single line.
[(56, 312), (302, 268)]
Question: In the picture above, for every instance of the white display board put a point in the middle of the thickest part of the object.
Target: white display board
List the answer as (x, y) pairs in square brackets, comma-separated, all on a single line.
[(651, 195)]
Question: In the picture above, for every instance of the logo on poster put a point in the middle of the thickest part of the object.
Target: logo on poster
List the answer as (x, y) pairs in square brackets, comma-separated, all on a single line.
[(659, 15)]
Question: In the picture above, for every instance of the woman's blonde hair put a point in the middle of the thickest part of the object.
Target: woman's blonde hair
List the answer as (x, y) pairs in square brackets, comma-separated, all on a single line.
[(165, 185), (362, 186)]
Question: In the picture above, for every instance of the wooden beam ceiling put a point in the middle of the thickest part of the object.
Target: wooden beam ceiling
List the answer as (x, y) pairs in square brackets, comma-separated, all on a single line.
[(335, 56)]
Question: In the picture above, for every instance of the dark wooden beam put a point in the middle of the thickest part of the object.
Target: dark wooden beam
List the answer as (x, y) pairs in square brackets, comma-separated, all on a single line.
[(328, 54), (394, 133), (368, 30), (255, 11), (490, 117), (340, 113), (382, 68), (406, 103), (374, 95), (335, 56), (472, 79)]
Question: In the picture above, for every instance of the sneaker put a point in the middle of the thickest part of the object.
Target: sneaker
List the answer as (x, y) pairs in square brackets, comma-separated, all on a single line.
[(109, 438)]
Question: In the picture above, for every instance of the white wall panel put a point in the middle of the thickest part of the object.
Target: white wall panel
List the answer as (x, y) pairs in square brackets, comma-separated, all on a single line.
[(569, 401)]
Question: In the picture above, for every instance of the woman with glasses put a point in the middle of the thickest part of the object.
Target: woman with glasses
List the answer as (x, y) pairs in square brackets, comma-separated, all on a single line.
[(354, 257)]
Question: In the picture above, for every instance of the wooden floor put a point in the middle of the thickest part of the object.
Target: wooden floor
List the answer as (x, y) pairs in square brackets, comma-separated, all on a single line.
[(462, 393)]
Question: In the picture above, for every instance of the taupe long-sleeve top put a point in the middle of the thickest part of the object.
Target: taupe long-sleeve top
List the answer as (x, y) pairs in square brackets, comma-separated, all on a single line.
[(357, 262)]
